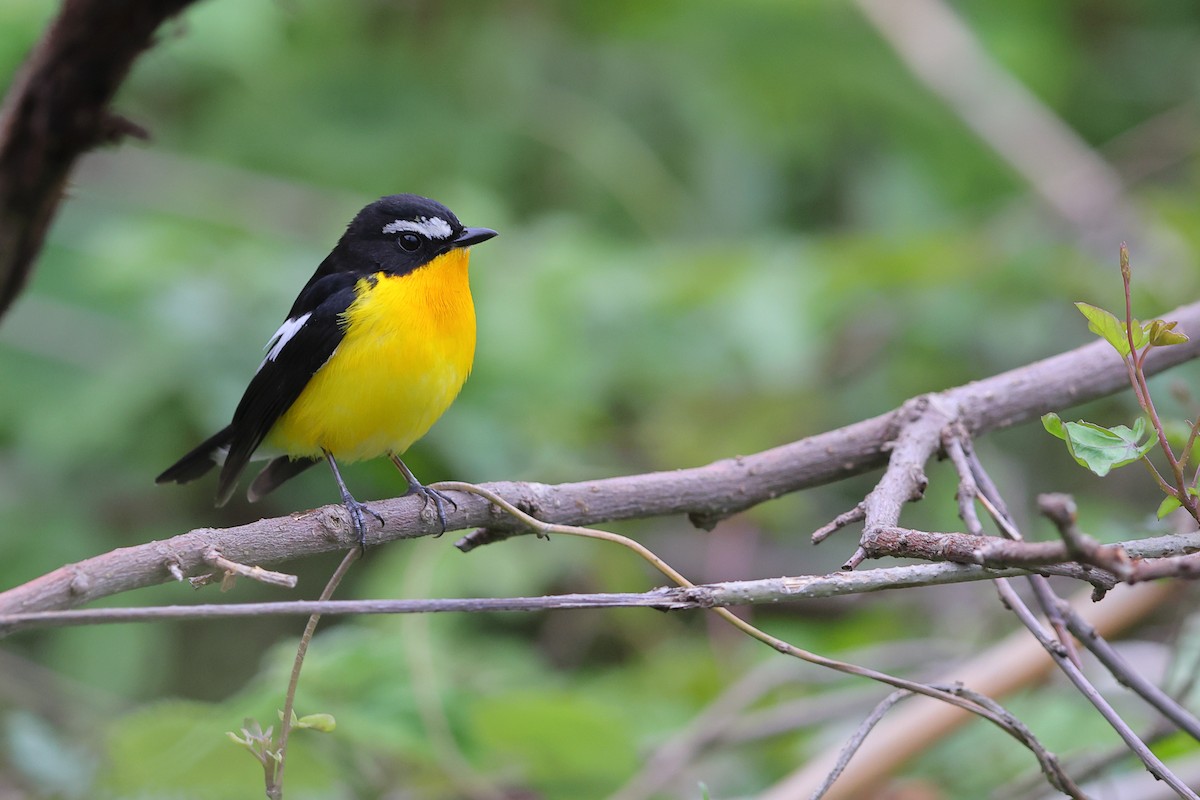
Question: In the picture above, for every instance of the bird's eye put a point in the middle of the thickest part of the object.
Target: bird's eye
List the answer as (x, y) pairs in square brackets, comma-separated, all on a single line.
[(410, 241)]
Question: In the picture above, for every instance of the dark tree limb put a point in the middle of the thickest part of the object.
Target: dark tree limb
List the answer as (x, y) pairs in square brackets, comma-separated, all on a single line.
[(57, 109)]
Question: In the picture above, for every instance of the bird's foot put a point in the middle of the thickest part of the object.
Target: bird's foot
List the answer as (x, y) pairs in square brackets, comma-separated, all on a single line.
[(358, 518), (431, 495), (428, 493)]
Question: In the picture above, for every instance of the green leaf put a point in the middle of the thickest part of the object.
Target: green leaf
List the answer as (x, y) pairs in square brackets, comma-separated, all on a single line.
[(1168, 505), (1105, 325), (1103, 449), (324, 723), (1163, 334), (1054, 425), (238, 740), (1098, 448)]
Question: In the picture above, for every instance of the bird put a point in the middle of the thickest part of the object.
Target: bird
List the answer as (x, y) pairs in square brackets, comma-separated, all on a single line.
[(375, 348)]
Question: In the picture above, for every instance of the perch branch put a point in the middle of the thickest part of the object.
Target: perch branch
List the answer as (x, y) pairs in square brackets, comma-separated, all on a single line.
[(707, 494)]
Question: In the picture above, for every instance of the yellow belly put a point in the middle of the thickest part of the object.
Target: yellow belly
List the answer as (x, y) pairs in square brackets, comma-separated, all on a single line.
[(408, 348)]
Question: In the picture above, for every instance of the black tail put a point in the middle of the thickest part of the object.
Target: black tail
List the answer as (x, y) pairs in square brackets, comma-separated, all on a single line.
[(275, 473), (199, 461)]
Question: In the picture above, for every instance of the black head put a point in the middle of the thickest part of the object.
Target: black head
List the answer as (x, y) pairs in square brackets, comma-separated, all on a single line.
[(401, 232)]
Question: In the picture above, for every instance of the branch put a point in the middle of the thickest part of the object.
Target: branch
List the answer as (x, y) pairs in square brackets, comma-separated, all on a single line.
[(707, 494), (1151, 761), (1006, 666), (713, 595), (1049, 763), (57, 109)]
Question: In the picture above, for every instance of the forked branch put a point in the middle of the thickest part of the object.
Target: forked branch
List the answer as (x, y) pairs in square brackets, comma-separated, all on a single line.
[(706, 494)]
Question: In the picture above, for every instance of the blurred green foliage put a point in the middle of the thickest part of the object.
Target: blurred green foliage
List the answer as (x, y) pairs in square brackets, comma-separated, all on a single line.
[(724, 226)]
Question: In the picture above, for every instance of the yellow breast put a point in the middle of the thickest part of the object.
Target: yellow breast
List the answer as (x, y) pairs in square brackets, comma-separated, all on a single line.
[(408, 347)]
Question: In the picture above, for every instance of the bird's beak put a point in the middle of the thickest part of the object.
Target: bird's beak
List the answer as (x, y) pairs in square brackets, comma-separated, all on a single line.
[(471, 236)]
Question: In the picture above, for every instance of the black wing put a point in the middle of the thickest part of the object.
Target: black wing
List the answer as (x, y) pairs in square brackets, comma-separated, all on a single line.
[(299, 348)]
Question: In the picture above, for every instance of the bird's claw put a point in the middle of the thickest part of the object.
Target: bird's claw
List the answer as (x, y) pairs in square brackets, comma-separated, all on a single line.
[(359, 521), (438, 498)]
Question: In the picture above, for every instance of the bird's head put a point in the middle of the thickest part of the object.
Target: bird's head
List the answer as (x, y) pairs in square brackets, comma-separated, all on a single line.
[(402, 232)]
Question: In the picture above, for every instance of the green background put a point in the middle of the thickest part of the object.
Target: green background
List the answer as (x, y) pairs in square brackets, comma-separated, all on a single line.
[(725, 226)]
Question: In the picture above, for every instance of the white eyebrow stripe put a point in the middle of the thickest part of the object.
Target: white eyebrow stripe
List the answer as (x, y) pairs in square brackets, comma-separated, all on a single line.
[(429, 227), (284, 335)]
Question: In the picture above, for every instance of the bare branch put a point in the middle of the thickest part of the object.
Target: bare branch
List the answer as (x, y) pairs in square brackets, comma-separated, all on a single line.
[(232, 568), (1060, 509), (964, 548), (860, 733), (853, 515), (923, 419), (910, 729), (955, 443), (1049, 763), (707, 494), (1048, 601), (1155, 765), (713, 595), (1128, 676)]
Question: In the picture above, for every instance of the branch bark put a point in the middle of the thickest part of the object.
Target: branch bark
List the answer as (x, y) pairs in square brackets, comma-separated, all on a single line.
[(57, 109), (707, 494), (672, 598), (1009, 664)]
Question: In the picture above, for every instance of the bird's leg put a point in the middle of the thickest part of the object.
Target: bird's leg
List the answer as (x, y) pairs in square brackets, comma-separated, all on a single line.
[(355, 508), (429, 493)]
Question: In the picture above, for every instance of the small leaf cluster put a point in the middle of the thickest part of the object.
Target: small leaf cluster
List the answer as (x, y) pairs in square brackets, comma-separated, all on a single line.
[(1102, 449), (261, 743), (1098, 448), (1118, 333)]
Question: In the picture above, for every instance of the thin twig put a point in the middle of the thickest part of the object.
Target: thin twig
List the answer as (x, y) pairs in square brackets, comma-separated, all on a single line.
[(701, 596), (856, 514), (856, 740), (1061, 510), (259, 574), (951, 698), (275, 788), (1146, 400), (424, 669), (968, 487), (1051, 766), (1156, 767), (1048, 601), (1128, 676)]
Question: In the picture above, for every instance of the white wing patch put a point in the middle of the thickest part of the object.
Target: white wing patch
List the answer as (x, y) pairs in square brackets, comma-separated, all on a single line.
[(429, 227), (284, 335)]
